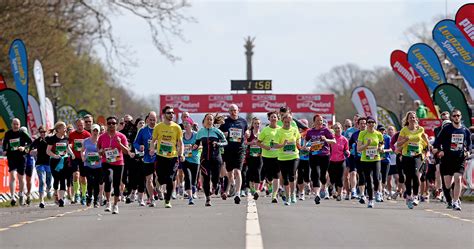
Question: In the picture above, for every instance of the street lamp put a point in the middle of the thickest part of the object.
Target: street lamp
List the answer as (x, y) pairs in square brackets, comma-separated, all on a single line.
[(401, 101), (112, 106), (55, 90)]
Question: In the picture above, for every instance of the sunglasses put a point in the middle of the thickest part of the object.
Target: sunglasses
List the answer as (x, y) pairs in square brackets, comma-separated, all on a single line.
[(111, 123), (456, 115), (370, 122), (88, 121), (169, 113), (42, 131)]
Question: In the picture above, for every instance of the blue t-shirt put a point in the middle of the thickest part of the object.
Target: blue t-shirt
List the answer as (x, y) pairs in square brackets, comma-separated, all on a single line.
[(191, 155), (304, 155), (348, 133), (353, 143), (92, 153), (144, 137), (386, 146)]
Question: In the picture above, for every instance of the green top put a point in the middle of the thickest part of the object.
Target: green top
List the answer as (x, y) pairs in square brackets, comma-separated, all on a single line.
[(267, 137), (371, 153), (290, 150)]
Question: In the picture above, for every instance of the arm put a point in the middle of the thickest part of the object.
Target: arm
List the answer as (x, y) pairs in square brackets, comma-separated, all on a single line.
[(69, 150), (180, 148), (138, 142), (299, 124), (50, 153), (222, 139)]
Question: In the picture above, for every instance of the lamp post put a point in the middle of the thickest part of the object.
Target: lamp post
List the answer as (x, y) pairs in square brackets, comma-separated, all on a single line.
[(55, 90), (401, 102), (112, 106)]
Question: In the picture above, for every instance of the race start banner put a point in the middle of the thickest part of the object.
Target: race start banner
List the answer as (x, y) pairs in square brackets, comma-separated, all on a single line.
[(425, 61), (449, 97), (19, 64), (364, 102), (219, 103), (408, 75)]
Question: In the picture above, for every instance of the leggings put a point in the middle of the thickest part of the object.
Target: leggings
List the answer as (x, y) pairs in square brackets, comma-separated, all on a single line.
[(254, 165), (303, 171), (191, 171), (371, 170), (336, 172), (288, 170), (112, 176), (94, 179), (59, 176), (385, 168), (210, 170), (411, 165), (166, 171), (319, 166), (401, 175)]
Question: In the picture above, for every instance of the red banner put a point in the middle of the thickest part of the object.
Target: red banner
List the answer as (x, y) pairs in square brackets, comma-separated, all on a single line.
[(3, 84), (465, 21), (429, 125), (301, 103), (402, 67), (30, 119)]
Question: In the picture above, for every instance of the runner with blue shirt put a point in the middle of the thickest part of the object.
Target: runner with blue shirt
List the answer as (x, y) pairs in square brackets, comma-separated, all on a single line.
[(191, 163), (90, 156)]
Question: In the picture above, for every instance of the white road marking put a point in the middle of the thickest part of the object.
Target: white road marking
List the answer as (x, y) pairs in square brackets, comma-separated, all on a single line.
[(253, 235)]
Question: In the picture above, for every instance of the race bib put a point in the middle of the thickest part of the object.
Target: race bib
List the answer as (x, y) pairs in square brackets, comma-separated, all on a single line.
[(78, 144), (61, 149), (457, 142), (112, 155), (166, 148), (14, 144), (304, 153), (188, 150), (93, 158), (289, 148), (413, 149), (371, 152), (316, 146), (235, 135), (255, 151)]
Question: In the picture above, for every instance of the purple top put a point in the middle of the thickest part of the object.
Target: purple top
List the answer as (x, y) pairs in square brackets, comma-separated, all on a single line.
[(318, 147)]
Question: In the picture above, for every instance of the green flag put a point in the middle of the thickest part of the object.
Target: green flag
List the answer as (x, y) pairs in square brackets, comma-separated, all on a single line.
[(449, 97), (11, 106)]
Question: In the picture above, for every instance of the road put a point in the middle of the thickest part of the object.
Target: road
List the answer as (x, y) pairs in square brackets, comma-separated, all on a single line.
[(259, 224)]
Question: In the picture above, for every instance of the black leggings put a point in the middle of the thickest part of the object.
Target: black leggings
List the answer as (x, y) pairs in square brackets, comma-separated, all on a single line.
[(59, 176), (303, 171), (319, 166), (191, 171), (385, 168), (254, 165), (166, 172), (336, 173), (94, 179), (112, 176), (288, 170), (210, 170), (411, 165), (372, 175), (401, 175), (134, 170)]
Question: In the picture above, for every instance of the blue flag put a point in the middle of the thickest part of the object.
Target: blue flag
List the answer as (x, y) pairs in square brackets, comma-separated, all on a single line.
[(454, 44), (425, 61), (19, 64)]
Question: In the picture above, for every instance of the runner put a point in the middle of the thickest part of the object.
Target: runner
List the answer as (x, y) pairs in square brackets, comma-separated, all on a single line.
[(355, 161), (58, 150), (254, 157), (440, 185), (320, 137), (234, 129), (191, 164), (29, 165), (351, 167), (76, 140), (384, 163), (111, 146), (211, 139), (131, 166), (453, 144), (392, 172), (339, 153), (142, 144), (287, 140), (88, 121), (90, 156), (304, 178), (15, 145), (412, 140), (370, 145), (43, 170), (168, 137)]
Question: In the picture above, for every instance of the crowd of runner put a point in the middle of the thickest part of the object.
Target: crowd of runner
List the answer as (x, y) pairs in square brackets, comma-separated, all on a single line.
[(143, 161)]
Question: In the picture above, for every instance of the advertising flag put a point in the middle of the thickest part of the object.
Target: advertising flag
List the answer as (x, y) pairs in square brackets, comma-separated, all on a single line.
[(49, 114), (447, 35), (19, 65), (465, 21), (401, 66), (11, 106), (39, 80), (364, 101), (67, 113), (3, 84), (82, 113), (426, 63), (449, 97), (387, 118), (34, 115)]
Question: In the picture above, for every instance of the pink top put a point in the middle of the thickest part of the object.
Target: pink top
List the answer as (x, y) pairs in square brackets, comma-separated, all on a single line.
[(112, 151), (339, 149)]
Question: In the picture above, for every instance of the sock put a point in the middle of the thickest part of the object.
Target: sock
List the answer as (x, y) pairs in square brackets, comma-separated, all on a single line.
[(274, 194), (83, 189), (75, 187)]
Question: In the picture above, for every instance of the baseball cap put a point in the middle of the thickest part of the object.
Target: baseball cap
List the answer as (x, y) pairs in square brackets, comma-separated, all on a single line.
[(95, 127)]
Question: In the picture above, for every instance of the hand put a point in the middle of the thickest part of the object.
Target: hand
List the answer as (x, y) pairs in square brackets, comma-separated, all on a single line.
[(247, 134), (195, 147), (434, 150), (152, 152), (214, 144), (57, 156), (285, 142), (131, 154), (181, 158), (142, 148), (323, 138), (369, 141), (441, 154), (21, 148)]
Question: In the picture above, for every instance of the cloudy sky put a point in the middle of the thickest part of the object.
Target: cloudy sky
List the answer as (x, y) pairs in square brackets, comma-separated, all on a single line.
[(295, 42)]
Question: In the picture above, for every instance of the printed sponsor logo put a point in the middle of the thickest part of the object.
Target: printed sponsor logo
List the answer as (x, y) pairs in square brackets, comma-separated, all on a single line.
[(467, 27), (177, 98), (308, 97), (224, 105), (220, 98), (268, 106), (263, 97), (454, 47), (408, 74), (425, 68), (323, 107), (186, 106)]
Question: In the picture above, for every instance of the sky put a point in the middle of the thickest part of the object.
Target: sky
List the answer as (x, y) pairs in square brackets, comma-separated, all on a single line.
[(295, 42)]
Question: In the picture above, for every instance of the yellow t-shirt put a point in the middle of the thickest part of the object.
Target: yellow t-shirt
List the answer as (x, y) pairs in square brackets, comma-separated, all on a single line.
[(267, 137), (371, 153), (415, 144), (289, 151), (166, 138)]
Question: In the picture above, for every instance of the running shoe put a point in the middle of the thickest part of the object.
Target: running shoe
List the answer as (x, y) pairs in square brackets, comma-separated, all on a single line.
[(13, 202), (83, 200), (28, 200), (317, 200), (152, 203), (255, 196), (168, 204), (449, 206), (409, 202), (77, 198), (128, 200), (242, 193), (190, 201), (48, 195), (378, 197), (195, 196), (224, 196), (108, 207), (173, 195), (457, 206), (141, 203), (283, 198), (274, 200), (41, 205), (22, 200), (61, 203), (232, 190), (362, 199), (96, 204), (286, 203), (115, 209), (322, 194), (339, 198), (208, 202), (354, 194), (237, 199), (416, 201), (88, 202), (302, 197), (370, 204), (389, 197), (293, 198)]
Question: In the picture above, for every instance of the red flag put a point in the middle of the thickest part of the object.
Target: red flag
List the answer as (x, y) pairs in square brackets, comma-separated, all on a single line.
[(3, 84), (400, 64), (465, 21)]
